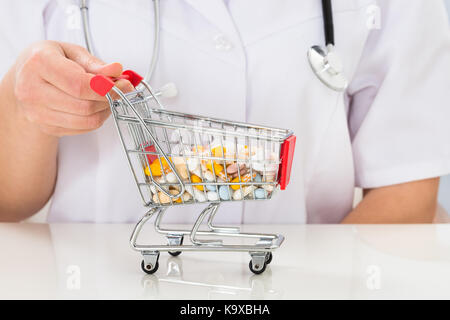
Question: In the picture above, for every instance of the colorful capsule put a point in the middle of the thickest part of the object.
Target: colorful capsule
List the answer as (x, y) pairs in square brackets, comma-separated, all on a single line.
[(197, 179)]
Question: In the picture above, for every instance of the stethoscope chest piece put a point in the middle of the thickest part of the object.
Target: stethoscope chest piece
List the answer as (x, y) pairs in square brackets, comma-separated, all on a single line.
[(327, 66)]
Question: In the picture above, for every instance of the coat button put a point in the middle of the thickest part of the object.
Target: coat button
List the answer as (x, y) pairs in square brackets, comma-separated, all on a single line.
[(221, 43)]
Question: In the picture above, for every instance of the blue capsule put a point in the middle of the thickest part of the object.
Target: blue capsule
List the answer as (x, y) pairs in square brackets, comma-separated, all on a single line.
[(260, 193), (224, 193)]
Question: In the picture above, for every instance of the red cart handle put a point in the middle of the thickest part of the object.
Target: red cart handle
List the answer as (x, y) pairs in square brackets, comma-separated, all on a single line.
[(286, 158), (102, 84)]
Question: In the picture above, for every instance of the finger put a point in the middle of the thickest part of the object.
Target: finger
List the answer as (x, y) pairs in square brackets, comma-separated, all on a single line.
[(74, 80), (55, 99), (61, 132), (90, 63), (49, 117), (58, 100), (124, 86), (114, 69), (68, 76)]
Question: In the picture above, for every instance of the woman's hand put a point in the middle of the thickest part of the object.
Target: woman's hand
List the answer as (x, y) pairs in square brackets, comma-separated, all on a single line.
[(51, 88), (45, 95)]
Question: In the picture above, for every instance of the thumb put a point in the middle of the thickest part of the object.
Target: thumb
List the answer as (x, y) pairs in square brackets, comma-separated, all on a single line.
[(90, 63), (114, 69)]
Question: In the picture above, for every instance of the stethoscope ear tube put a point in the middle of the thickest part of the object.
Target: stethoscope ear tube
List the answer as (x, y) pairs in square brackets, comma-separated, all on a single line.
[(86, 28), (155, 54)]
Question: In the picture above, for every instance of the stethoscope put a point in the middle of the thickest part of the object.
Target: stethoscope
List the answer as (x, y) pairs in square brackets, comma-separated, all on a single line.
[(324, 62)]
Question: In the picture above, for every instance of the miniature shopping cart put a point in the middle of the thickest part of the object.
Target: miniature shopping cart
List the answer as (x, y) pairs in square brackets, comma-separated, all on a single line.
[(181, 159)]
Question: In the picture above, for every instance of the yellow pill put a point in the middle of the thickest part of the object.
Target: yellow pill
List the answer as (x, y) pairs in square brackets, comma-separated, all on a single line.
[(197, 179), (218, 168), (235, 186), (218, 151), (165, 164), (245, 178), (155, 167)]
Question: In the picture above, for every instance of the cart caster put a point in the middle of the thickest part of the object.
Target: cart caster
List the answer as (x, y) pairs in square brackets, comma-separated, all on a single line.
[(257, 269), (175, 241), (150, 263), (148, 268), (258, 262), (269, 257)]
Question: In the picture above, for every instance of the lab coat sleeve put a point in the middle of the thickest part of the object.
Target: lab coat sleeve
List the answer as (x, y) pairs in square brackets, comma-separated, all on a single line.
[(21, 24), (399, 97)]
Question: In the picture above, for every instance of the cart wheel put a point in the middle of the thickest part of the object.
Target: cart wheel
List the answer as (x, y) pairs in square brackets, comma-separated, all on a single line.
[(176, 253), (269, 257), (250, 265), (149, 269)]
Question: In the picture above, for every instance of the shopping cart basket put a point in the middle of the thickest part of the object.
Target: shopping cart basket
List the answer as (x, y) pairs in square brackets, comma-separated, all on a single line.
[(180, 159)]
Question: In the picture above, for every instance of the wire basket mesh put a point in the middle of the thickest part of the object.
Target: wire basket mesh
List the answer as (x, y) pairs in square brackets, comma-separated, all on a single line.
[(199, 159)]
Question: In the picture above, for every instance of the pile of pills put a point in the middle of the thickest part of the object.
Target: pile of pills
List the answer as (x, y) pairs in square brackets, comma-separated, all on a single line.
[(213, 174)]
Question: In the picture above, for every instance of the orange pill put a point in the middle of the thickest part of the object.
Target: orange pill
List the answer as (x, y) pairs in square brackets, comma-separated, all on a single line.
[(218, 168), (245, 178), (155, 167), (197, 179)]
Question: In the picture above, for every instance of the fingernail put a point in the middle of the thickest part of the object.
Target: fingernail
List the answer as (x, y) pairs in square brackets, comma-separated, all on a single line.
[(112, 64)]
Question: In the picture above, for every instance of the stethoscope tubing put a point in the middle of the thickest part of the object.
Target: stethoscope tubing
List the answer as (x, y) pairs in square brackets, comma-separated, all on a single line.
[(84, 9), (328, 24), (156, 42), (86, 28)]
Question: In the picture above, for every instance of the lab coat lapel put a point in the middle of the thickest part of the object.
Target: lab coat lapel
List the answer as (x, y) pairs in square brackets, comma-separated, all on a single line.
[(216, 13)]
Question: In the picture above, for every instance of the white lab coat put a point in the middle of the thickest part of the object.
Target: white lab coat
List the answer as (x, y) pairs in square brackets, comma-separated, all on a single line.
[(247, 62)]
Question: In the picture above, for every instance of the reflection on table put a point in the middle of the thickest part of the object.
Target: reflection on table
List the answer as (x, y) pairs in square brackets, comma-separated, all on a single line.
[(82, 261)]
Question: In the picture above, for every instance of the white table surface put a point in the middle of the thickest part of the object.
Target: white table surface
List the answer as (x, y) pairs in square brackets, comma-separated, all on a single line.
[(316, 261)]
